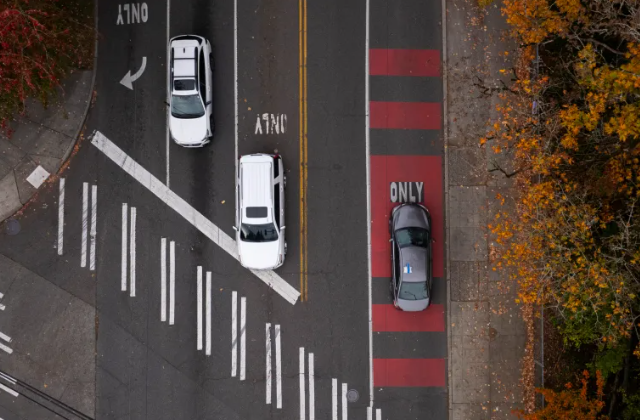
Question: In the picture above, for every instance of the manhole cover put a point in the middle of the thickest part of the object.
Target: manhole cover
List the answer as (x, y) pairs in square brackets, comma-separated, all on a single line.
[(12, 227), (352, 395)]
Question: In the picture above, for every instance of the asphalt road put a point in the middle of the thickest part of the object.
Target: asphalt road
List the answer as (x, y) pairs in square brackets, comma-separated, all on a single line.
[(150, 369)]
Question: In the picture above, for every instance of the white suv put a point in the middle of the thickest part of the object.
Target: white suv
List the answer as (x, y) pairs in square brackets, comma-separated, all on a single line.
[(190, 122), (260, 211)]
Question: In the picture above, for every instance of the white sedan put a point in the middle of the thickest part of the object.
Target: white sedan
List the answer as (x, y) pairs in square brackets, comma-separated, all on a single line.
[(190, 120)]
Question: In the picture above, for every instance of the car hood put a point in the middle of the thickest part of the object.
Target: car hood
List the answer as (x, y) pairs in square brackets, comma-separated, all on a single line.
[(410, 216), (188, 131), (259, 255), (413, 305)]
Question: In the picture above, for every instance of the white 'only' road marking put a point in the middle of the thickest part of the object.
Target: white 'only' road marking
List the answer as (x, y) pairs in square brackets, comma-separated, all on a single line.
[(61, 217), (205, 226)]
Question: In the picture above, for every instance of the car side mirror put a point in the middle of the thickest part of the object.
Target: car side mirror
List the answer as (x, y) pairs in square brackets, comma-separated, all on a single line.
[(235, 228), (282, 228), (390, 239), (166, 103)]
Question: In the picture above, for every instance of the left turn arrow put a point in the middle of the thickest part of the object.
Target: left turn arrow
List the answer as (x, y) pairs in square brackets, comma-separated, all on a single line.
[(128, 78)]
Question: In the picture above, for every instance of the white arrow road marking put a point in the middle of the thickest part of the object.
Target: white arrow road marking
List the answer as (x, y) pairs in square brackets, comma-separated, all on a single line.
[(184, 209), (128, 79)]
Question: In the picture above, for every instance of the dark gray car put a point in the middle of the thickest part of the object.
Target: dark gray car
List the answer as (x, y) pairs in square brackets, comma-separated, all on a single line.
[(410, 228)]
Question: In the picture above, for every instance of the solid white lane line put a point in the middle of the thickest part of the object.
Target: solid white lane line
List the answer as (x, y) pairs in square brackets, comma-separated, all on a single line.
[(208, 318), (278, 369), (132, 253), (125, 240), (172, 282), (85, 223), (199, 311), (334, 399), (61, 217), (367, 142), (234, 334), (268, 363), (379, 414), (6, 348), (217, 236), (8, 390), (163, 279), (312, 389), (5, 337), (166, 84), (94, 220), (302, 393), (344, 401), (243, 338), (235, 88)]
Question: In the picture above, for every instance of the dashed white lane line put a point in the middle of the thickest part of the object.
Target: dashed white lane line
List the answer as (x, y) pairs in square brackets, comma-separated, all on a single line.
[(9, 390), (61, 217), (94, 221), (312, 389), (278, 368), (303, 407), (344, 401), (85, 223), (125, 240), (163, 279), (243, 338), (334, 399), (172, 282), (268, 362), (208, 316), (132, 254), (205, 226), (234, 334), (6, 349), (199, 307)]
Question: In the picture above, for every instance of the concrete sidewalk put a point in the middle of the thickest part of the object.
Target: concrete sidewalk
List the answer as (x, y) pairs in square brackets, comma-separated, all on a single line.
[(42, 141), (486, 331)]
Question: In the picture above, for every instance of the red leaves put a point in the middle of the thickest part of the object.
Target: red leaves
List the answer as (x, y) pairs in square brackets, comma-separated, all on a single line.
[(39, 45)]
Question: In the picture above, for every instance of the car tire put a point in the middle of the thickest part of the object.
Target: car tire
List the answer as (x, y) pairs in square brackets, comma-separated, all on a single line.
[(285, 248)]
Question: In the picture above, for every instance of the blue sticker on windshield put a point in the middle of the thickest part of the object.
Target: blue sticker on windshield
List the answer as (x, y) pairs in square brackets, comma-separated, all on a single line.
[(407, 269)]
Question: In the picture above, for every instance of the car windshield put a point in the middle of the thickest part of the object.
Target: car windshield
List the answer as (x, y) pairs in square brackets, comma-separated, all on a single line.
[(258, 233), (413, 291), (186, 106), (412, 236)]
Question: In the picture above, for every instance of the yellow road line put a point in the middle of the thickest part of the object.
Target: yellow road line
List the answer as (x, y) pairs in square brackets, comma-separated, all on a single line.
[(302, 63)]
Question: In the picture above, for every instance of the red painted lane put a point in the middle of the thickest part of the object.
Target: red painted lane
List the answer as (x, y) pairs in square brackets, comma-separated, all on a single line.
[(383, 62), (387, 169), (386, 318), (406, 115), (409, 372)]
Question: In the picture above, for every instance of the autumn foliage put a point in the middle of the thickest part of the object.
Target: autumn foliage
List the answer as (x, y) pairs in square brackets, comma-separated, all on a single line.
[(41, 41), (571, 403), (574, 241)]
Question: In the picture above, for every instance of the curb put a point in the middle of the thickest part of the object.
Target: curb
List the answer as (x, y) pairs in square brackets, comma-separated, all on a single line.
[(72, 144)]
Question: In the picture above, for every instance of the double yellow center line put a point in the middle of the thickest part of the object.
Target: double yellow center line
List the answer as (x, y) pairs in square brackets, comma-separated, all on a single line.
[(302, 61)]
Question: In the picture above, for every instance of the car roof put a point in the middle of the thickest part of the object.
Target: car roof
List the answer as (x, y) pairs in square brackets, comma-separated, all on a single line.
[(256, 182), (413, 264)]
